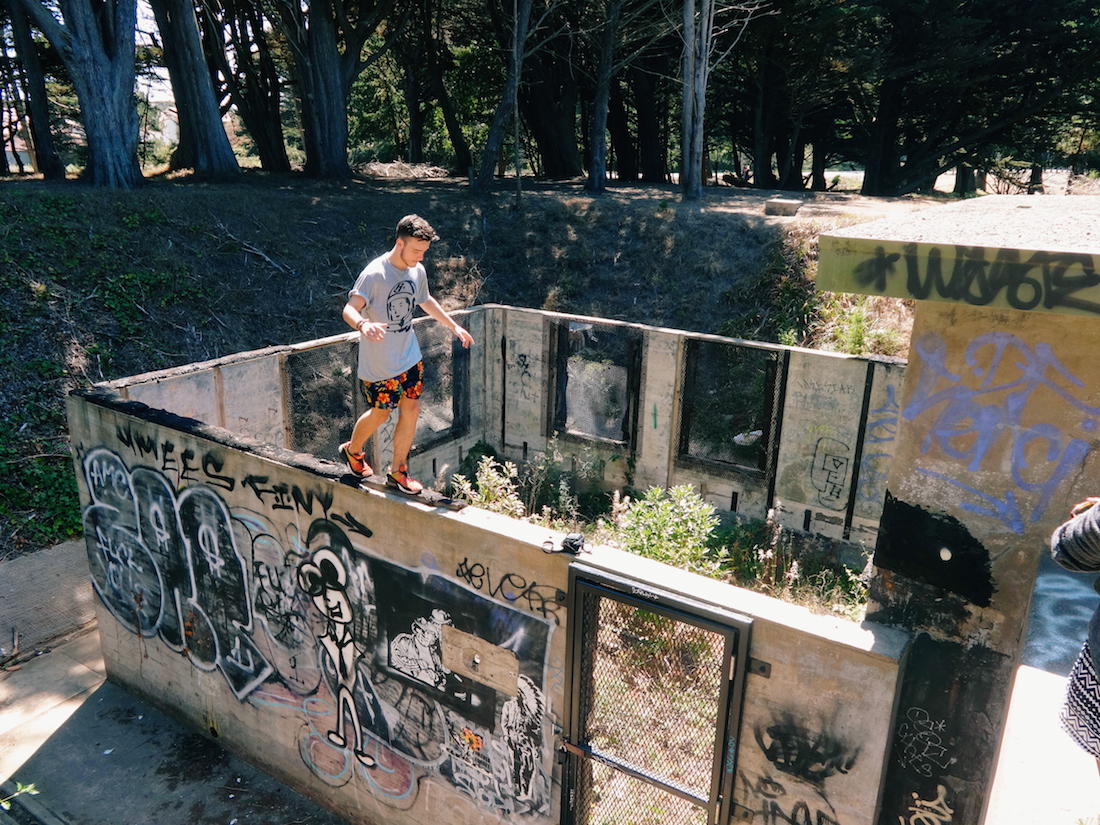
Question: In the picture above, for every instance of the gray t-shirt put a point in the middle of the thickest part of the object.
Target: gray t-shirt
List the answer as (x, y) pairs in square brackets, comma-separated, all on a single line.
[(392, 295)]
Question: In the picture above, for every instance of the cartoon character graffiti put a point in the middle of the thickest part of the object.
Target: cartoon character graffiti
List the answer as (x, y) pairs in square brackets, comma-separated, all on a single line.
[(325, 579), (521, 719), (419, 654)]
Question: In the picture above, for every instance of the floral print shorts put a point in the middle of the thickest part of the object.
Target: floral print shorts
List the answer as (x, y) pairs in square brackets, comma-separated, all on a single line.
[(387, 394)]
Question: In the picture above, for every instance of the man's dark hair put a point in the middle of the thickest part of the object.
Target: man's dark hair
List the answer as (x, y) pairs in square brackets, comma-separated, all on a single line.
[(414, 226)]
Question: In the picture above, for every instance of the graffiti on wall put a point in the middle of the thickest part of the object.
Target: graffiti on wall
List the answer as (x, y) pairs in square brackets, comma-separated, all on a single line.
[(801, 758), (1006, 403), (297, 618), (874, 465), (1021, 279)]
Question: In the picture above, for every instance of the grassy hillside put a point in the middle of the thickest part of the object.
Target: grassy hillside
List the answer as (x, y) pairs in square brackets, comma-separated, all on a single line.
[(97, 285)]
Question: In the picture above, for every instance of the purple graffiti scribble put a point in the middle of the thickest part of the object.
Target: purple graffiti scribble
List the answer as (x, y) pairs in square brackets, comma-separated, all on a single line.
[(971, 421)]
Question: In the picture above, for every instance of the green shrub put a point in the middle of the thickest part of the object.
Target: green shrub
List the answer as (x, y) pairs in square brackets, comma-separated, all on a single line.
[(493, 487), (673, 526)]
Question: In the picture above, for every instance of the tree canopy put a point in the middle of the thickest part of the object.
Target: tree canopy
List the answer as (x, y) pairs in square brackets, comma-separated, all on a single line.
[(903, 89)]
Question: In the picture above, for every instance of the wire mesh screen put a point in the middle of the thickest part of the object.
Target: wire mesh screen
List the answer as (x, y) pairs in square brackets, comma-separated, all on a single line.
[(443, 404), (728, 403), (650, 702), (610, 796), (597, 380), (320, 390), (324, 395)]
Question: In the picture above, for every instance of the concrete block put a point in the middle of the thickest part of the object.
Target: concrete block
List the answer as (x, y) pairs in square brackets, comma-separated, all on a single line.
[(782, 206)]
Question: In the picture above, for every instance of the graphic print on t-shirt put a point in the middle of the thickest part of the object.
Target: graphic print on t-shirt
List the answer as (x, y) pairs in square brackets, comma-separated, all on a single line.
[(400, 305)]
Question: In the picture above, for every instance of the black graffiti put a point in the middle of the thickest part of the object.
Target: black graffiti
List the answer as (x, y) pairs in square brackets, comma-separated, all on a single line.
[(352, 523), (287, 497), (142, 444), (538, 598), (800, 815), (1052, 279), (810, 755)]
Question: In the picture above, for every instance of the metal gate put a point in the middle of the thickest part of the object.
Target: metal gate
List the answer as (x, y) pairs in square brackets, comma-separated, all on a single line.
[(655, 687)]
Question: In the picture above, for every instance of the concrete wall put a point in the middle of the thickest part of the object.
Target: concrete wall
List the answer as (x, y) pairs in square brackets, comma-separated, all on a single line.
[(254, 595), (247, 589), (829, 449)]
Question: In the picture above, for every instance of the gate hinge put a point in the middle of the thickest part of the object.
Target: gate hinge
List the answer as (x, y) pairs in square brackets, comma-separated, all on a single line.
[(742, 814), (760, 668)]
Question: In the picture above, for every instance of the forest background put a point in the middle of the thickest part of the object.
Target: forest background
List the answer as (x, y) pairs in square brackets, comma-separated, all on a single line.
[(126, 248)]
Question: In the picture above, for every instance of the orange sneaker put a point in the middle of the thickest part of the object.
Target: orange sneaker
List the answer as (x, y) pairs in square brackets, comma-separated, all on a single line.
[(399, 478), (357, 462)]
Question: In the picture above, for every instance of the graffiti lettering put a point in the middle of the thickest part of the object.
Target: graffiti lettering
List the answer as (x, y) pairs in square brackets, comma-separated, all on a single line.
[(143, 445), (768, 792), (971, 421), (292, 616), (538, 598), (829, 471), (929, 812), (211, 468), (812, 756), (920, 743), (1052, 279), (874, 466)]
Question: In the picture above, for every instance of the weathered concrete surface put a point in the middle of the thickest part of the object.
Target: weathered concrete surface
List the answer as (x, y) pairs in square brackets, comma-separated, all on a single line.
[(996, 428)]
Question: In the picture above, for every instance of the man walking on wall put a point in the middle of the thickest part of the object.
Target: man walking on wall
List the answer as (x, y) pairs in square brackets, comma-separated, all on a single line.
[(380, 306)]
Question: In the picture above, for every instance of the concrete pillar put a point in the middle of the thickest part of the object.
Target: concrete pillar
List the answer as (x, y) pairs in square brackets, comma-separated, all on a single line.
[(998, 415)]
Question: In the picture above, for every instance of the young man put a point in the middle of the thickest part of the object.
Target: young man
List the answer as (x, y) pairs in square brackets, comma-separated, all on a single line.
[(380, 306)]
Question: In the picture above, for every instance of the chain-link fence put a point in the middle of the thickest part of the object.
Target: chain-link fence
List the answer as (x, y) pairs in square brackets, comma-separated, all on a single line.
[(650, 709)]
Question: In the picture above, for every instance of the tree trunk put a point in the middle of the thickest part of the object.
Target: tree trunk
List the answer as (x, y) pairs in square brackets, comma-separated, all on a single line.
[(965, 182), (698, 22), (203, 144), (880, 172), (548, 99), (506, 108), (622, 142), (817, 168), (597, 167), (252, 82), (46, 159), (323, 97), (463, 159), (96, 43), (650, 144)]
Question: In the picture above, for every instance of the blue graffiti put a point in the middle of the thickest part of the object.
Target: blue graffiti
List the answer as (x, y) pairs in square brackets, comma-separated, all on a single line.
[(971, 421)]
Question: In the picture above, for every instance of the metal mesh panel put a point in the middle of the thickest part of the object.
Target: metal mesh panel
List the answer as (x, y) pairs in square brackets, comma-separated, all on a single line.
[(321, 398), (594, 400), (650, 702), (324, 396), (437, 404), (610, 797), (727, 403)]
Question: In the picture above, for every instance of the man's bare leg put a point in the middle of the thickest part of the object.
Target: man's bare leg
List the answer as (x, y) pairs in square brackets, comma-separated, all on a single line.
[(366, 426), (408, 411)]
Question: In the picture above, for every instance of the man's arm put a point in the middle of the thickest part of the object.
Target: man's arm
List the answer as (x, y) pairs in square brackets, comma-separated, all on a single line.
[(432, 307), (354, 319)]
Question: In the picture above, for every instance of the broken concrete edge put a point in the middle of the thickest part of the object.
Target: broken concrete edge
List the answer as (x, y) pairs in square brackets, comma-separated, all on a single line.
[(103, 396), (15, 660), (782, 206)]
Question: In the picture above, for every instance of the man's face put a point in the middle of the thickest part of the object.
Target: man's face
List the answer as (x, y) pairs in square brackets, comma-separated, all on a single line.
[(411, 251)]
